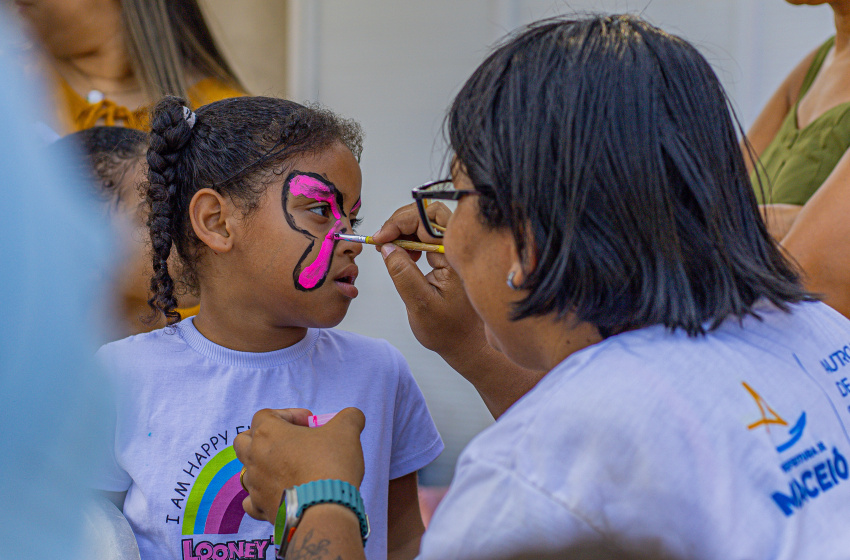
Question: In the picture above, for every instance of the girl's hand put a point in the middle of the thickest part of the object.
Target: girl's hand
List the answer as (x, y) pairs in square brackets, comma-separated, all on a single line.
[(280, 452)]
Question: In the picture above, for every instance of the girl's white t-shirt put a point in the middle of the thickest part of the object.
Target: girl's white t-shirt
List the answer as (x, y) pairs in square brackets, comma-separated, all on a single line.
[(181, 400)]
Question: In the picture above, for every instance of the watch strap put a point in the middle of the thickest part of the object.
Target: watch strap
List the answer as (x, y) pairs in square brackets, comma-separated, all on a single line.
[(310, 494), (331, 491)]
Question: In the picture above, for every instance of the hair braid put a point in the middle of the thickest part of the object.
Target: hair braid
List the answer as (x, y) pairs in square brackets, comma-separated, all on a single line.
[(170, 132)]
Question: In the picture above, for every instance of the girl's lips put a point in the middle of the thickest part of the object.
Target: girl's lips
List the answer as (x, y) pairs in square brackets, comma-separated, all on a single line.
[(346, 289), (345, 281)]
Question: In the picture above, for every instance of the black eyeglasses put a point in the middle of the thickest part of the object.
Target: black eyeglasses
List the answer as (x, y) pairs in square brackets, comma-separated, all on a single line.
[(436, 202)]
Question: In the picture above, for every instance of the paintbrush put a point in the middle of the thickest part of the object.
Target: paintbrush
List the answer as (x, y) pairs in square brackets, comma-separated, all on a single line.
[(403, 243)]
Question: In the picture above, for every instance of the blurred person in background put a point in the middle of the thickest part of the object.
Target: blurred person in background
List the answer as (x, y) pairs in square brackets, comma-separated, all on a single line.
[(802, 174), (690, 400), (111, 160), (110, 60), (53, 256)]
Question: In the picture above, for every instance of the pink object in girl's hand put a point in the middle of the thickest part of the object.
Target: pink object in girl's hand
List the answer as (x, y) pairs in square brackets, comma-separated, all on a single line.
[(319, 419)]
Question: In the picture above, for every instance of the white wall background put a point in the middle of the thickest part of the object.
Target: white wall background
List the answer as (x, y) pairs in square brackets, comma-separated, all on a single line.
[(395, 65), (252, 37)]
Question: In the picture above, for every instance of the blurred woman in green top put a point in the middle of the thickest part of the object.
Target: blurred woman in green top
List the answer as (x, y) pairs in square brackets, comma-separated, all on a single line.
[(801, 138), (800, 158)]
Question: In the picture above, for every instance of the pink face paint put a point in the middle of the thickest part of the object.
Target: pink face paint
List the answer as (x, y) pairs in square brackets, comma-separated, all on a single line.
[(317, 271), (319, 419), (306, 185), (355, 207), (310, 186)]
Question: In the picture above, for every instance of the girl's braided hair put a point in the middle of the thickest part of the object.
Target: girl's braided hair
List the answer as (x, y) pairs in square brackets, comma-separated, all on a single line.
[(232, 147)]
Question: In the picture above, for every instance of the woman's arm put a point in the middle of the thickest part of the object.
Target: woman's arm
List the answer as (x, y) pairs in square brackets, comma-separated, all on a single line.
[(404, 519), (770, 119), (819, 238), (779, 218)]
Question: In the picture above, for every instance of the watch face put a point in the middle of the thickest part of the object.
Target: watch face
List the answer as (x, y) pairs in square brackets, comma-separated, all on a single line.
[(290, 501), (289, 512)]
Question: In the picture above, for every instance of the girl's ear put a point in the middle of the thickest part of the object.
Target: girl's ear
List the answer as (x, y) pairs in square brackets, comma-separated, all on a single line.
[(212, 218)]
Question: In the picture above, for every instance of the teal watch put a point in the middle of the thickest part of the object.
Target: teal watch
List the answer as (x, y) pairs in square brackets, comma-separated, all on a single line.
[(299, 498)]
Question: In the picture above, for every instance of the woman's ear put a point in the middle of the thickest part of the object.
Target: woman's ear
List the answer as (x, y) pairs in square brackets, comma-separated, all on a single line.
[(212, 218), (522, 265)]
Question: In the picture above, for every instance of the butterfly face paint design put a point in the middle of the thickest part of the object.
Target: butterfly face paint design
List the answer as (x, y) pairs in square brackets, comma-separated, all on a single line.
[(311, 185)]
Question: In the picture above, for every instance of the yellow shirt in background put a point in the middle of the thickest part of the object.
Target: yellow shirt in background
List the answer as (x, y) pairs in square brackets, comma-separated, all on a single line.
[(75, 113), (188, 311)]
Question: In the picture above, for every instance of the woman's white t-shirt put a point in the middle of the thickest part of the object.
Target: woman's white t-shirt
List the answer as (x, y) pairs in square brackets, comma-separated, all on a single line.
[(729, 446)]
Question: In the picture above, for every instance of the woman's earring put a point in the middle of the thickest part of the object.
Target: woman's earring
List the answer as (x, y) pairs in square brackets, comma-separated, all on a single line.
[(511, 284)]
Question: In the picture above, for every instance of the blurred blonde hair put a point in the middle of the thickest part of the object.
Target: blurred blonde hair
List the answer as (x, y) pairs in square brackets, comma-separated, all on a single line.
[(169, 40)]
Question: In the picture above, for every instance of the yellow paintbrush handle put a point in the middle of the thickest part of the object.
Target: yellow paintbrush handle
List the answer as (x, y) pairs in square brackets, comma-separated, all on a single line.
[(414, 245), (419, 246)]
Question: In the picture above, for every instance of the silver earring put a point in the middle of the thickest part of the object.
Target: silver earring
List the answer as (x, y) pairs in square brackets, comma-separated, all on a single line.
[(511, 284)]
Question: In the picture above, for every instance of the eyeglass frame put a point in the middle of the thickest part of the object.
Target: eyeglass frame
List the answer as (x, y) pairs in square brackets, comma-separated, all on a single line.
[(420, 194)]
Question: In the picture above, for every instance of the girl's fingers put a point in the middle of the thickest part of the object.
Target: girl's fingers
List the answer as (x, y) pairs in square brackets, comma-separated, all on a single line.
[(252, 510)]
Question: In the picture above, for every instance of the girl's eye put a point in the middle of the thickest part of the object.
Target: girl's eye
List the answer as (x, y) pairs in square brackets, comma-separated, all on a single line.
[(320, 210), (355, 222)]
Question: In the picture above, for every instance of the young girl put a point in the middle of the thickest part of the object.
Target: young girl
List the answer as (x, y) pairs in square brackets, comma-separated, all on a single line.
[(250, 192)]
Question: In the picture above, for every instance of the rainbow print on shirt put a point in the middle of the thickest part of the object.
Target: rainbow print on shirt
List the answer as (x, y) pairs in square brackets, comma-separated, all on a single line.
[(214, 506)]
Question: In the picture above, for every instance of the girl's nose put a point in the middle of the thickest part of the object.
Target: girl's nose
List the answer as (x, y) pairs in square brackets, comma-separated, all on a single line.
[(351, 248)]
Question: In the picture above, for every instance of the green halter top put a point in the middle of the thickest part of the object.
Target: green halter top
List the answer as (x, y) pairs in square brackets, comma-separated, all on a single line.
[(798, 161)]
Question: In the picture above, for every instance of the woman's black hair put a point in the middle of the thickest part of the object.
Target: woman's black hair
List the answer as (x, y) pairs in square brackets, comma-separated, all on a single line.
[(607, 147), (233, 147)]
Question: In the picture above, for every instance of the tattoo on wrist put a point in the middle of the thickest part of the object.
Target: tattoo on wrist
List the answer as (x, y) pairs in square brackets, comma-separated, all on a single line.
[(305, 549)]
